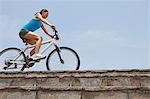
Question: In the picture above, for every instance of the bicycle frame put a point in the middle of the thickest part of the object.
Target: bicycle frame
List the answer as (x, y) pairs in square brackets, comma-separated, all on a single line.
[(49, 42)]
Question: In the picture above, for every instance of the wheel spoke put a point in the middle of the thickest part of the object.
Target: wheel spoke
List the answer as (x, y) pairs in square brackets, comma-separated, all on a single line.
[(12, 58), (69, 60)]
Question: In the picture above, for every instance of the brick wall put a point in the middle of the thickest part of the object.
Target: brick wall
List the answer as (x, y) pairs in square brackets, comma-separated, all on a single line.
[(104, 84)]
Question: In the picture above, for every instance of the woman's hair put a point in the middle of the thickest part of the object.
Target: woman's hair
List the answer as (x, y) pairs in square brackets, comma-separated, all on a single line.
[(43, 10)]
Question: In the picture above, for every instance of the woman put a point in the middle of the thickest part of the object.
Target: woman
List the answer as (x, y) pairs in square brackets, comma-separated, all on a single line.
[(27, 32)]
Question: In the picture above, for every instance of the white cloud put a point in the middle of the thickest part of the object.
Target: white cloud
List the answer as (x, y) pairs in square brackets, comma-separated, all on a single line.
[(97, 37), (105, 38)]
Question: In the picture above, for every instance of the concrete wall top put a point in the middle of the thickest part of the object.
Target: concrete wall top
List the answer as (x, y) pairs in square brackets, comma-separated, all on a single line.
[(86, 73)]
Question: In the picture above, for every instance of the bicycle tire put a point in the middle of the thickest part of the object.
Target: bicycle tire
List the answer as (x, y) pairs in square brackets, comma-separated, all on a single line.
[(5, 51), (63, 48)]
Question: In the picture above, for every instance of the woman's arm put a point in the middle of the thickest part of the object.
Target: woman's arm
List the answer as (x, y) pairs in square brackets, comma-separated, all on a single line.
[(38, 15), (44, 29)]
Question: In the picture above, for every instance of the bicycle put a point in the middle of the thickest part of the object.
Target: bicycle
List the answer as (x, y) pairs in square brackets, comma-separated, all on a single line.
[(15, 58)]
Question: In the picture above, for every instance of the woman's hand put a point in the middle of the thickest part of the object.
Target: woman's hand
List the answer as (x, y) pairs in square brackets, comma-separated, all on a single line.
[(56, 37), (53, 27)]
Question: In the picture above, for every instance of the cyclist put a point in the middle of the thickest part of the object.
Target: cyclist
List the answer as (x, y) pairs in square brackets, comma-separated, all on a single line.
[(27, 32)]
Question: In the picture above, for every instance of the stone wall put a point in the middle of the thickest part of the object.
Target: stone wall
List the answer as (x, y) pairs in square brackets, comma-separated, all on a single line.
[(106, 84)]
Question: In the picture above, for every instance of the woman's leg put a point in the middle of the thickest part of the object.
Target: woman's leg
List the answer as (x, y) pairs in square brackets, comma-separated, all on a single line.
[(33, 38), (32, 42)]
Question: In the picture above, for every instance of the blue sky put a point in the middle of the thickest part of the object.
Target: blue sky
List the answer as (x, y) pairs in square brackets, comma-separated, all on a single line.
[(107, 34)]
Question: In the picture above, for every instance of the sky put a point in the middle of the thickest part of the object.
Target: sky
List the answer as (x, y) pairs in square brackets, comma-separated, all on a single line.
[(107, 34)]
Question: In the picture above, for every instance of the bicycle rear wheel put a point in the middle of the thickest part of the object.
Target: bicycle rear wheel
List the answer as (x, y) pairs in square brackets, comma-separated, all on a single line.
[(70, 59), (12, 58)]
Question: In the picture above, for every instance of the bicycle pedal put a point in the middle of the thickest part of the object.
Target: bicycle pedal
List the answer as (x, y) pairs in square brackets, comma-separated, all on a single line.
[(30, 64)]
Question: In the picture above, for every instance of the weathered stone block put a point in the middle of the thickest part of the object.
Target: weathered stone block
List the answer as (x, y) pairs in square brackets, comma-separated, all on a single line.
[(59, 95), (104, 95), (6, 94)]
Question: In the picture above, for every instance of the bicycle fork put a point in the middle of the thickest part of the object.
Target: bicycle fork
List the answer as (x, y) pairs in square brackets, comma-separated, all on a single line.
[(58, 52)]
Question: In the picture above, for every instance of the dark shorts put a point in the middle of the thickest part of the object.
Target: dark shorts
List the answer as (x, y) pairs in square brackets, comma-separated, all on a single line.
[(22, 33)]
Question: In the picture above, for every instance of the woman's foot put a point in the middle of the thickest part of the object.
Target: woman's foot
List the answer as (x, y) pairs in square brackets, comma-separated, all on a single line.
[(38, 56)]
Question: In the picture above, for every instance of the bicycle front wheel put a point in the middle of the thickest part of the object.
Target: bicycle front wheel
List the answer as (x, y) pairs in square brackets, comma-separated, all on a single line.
[(12, 58), (63, 59)]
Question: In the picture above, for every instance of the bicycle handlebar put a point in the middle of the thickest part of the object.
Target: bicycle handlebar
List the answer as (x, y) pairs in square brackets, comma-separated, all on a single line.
[(56, 35)]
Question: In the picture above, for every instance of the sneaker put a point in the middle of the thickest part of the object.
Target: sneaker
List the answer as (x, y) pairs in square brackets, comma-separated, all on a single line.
[(38, 56)]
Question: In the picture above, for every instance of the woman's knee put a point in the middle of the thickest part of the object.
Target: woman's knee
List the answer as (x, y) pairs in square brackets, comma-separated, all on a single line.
[(31, 42)]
